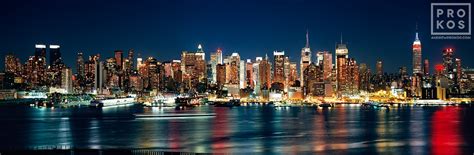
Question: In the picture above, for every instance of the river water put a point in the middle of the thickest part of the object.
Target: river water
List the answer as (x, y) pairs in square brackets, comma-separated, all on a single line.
[(253, 129)]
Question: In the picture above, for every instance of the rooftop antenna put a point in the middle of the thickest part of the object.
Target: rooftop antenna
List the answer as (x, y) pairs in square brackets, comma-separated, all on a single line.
[(307, 38)]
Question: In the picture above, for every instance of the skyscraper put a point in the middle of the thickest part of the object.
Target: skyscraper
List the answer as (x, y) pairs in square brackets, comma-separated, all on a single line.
[(327, 65), (417, 55), (426, 67), (305, 57), (448, 63), (80, 66), (54, 55), (216, 58), (40, 50), (341, 66), (193, 66), (119, 59), (220, 74), (364, 77), (264, 73), (232, 69), (319, 58), (11, 63), (353, 76), (379, 68), (249, 73), (278, 67), (66, 79), (139, 63)]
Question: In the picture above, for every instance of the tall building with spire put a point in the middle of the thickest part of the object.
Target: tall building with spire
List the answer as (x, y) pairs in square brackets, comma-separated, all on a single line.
[(417, 55), (342, 54), (305, 57)]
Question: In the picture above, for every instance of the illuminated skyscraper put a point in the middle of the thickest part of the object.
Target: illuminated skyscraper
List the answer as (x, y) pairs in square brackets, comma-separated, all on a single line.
[(319, 58), (305, 57), (36, 67), (242, 83), (264, 73), (66, 79), (417, 56), (11, 64), (448, 63), (139, 63), (40, 50), (216, 58), (341, 66), (327, 65), (426, 67), (256, 74), (220, 74), (193, 66), (80, 66), (379, 68), (219, 56), (278, 67), (232, 69), (293, 74), (313, 81), (353, 76), (458, 70), (119, 59), (54, 55), (364, 73), (249, 73)]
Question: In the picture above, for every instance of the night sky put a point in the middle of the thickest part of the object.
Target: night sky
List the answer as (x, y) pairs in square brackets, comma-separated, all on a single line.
[(372, 29)]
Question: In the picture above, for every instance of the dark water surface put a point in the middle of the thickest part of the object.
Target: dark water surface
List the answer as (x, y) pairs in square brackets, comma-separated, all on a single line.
[(254, 129)]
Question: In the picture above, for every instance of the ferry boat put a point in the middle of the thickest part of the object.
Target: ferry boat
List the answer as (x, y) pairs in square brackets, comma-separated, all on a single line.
[(372, 104), (167, 100), (112, 102), (231, 103)]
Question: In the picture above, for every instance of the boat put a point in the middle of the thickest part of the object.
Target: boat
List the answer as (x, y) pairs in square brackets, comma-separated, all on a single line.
[(162, 101), (112, 102), (230, 103), (325, 105), (373, 104), (187, 101)]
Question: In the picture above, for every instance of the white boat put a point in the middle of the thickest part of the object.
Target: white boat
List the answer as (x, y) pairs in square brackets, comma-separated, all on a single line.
[(112, 102), (160, 100)]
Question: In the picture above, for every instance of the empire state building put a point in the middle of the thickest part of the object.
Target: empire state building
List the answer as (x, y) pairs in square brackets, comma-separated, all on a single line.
[(417, 55)]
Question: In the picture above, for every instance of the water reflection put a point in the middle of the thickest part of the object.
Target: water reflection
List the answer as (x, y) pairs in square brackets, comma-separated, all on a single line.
[(253, 129)]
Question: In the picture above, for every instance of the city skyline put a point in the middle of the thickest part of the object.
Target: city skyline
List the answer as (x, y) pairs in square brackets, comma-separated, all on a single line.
[(165, 36)]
